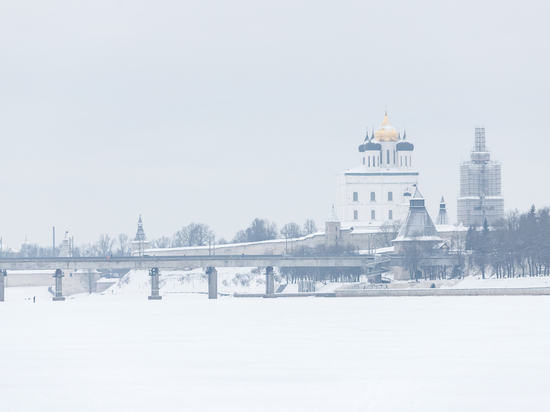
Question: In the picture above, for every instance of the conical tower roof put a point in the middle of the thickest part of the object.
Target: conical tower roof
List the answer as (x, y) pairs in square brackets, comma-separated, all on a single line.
[(418, 224), (442, 216), (64, 251), (140, 235), (333, 217)]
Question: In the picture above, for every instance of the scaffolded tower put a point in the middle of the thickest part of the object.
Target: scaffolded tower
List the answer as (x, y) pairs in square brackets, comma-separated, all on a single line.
[(480, 190)]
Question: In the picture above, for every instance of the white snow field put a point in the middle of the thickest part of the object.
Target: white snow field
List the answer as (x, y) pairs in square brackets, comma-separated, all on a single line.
[(188, 353)]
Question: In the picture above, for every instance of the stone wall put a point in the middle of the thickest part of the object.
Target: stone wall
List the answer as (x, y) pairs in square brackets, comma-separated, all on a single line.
[(268, 247), (363, 239)]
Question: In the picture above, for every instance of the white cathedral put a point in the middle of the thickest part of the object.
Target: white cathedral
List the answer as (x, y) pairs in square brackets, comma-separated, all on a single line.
[(379, 189)]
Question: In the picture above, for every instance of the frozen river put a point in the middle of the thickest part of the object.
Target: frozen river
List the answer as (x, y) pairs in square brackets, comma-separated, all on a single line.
[(124, 353)]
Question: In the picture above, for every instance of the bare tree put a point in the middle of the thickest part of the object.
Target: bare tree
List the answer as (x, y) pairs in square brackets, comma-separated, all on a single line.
[(458, 242), (388, 232), (123, 242), (105, 245), (194, 234), (481, 253), (413, 251), (309, 227), (291, 230), (87, 249), (259, 229), (162, 242), (29, 250)]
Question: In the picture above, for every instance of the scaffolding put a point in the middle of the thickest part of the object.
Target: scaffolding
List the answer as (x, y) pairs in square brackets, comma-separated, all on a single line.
[(480, 186)]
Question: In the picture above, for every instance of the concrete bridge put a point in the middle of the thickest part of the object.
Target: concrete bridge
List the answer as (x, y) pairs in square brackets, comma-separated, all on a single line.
[(184, 262), (156, 263), (375, 264)]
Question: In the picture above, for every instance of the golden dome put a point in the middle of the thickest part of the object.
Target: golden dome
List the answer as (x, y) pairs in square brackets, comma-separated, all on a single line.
[(386, 132)]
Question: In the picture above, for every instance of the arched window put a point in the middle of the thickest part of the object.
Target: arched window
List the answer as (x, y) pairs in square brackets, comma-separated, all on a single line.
[(390, 214), (373, 215), (388, 156), (355, 197), (372, 197), (355, 215), (363, 160), (369, 161), (390, 196)]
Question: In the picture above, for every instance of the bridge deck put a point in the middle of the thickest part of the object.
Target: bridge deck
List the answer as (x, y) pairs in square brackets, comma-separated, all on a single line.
[(183, 262)]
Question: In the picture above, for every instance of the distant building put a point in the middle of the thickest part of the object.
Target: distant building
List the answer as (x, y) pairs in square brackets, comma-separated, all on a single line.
[(379, 189), (332, 228), (442, 217), (417, 238), (418, 225), (65, 250), (480, 186), (140, 242)]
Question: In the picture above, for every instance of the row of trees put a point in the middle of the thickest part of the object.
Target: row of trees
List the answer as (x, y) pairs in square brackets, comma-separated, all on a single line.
[(324, 274), (194, 234), (518, 245), (104, 246), (199, 234), (263, 229)]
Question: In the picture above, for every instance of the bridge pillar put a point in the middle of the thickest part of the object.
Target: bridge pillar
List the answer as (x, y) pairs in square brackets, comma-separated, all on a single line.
[(3, 273), (154, 273), (58, 286), (212, 282), (269, 285)]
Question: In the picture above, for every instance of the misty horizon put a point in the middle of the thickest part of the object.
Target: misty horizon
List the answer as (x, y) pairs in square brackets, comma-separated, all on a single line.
[(222, 113)]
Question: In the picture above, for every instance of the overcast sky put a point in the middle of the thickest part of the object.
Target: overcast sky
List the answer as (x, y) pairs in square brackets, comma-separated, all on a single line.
[(221, 112)]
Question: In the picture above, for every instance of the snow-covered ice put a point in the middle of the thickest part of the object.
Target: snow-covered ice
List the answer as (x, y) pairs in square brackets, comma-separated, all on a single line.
[(125, 353)]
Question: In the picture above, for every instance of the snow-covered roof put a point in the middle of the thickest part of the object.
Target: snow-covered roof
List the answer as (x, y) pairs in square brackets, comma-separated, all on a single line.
[(450, 228), (333, 217), (364, 170), (417, 225)]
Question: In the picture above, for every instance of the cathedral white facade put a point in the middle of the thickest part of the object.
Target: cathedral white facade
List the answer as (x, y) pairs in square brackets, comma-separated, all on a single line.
[(379, 189)]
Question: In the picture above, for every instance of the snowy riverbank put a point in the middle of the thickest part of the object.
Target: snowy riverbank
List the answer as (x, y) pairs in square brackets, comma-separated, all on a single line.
[(123, 352)]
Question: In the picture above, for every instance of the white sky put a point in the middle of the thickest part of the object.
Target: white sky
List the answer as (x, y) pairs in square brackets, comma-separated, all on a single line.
[(221, 112)]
